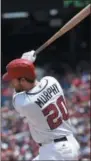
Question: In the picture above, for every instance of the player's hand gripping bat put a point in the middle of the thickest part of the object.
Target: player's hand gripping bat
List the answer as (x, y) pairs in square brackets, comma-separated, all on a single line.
[(68, 26)]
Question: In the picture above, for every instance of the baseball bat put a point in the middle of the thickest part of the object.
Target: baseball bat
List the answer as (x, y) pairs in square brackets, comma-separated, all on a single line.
[(68, 26)]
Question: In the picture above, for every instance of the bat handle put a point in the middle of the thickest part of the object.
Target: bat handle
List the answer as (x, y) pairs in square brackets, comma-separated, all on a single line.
[(40, 49), (46, 44), (37, 51)]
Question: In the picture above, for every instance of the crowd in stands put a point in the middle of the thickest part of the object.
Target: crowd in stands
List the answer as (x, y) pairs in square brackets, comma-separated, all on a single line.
[(17, 143)]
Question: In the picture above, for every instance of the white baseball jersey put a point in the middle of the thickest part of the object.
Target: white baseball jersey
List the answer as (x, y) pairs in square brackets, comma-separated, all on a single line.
[(45, 109)]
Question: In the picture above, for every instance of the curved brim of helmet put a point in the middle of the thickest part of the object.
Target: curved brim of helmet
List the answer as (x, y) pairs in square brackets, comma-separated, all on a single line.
[(6, 77)]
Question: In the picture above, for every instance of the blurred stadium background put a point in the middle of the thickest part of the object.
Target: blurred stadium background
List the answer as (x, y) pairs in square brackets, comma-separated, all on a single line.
[(25, 25)]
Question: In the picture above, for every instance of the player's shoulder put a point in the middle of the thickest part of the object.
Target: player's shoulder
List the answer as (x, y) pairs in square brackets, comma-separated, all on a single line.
[(50, 79)]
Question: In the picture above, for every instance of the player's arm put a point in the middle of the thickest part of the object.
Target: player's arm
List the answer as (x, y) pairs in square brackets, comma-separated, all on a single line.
[(18, 102)]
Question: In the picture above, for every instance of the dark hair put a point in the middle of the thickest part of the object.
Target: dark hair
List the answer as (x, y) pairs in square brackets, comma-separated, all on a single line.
[(28, 80)]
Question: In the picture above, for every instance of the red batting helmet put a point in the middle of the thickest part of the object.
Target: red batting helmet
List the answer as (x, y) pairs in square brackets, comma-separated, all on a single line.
[(20, 68)]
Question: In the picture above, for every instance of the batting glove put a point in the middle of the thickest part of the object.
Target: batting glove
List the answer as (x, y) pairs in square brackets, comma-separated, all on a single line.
[(29, 56)]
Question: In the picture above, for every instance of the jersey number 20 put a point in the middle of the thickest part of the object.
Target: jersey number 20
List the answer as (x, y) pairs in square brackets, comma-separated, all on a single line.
[(52, 113)]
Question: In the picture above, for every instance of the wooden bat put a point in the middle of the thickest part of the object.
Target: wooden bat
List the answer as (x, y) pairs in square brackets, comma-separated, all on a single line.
[(68, 26)]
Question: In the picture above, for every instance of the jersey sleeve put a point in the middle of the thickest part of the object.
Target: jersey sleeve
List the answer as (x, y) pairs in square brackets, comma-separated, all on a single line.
[(24, 105), (18, 103)]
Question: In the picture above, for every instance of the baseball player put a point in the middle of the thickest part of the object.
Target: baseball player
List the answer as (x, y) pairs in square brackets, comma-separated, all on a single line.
[(43, 104)]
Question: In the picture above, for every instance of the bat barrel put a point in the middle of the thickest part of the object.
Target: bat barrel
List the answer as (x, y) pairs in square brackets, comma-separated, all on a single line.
[(68, 26)]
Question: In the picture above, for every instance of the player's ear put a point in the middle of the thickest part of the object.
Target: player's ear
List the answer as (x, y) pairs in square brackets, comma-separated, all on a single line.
[(22, 80)]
